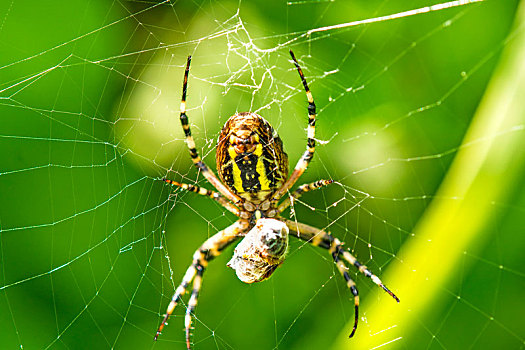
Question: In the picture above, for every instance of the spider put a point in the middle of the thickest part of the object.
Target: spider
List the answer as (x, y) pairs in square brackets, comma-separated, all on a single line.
[(253, 171)]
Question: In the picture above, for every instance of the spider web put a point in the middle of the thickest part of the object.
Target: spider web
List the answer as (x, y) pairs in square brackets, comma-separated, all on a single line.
[(93, 243)]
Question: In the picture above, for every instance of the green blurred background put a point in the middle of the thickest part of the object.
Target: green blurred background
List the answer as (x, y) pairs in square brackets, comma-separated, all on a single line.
[(92, 243)]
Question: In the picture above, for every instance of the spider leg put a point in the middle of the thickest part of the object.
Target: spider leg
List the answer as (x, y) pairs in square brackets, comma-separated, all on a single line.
[(210, 249), (208, 174), (300, 190), (335, 250), (323, 239), (302, 164), (205, 192), (197, 283)]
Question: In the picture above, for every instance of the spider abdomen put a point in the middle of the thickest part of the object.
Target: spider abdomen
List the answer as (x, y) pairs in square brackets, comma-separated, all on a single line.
[(261, 251), (250, 157)]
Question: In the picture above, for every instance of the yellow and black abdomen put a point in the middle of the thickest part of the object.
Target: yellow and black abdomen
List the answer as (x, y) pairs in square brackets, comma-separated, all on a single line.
[(250, 157)]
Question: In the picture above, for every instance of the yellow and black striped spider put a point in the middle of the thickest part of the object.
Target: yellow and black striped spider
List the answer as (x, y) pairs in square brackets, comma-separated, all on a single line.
[(253, 171)]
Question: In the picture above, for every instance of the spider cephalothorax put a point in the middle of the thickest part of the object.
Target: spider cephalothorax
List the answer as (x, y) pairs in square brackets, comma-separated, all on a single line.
[(253, 171)]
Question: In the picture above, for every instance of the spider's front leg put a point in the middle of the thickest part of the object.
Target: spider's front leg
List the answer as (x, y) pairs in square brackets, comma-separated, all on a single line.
[(210, 249), (323, 239)]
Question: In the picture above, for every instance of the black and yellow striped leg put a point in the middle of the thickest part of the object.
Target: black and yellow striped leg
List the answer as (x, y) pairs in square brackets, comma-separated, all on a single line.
[(302, 164), (302, 189), (197, 283), (343, 269), (210, 249), (208, 174), (205, 192), (323, 239), (181, 289), (320, 238)]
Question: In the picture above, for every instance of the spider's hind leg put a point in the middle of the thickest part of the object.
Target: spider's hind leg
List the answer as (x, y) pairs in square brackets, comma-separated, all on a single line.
[(190, 142), (303, 162)]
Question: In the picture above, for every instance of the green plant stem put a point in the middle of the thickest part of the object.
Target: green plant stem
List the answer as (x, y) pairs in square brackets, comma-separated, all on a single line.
[(485, 171)]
